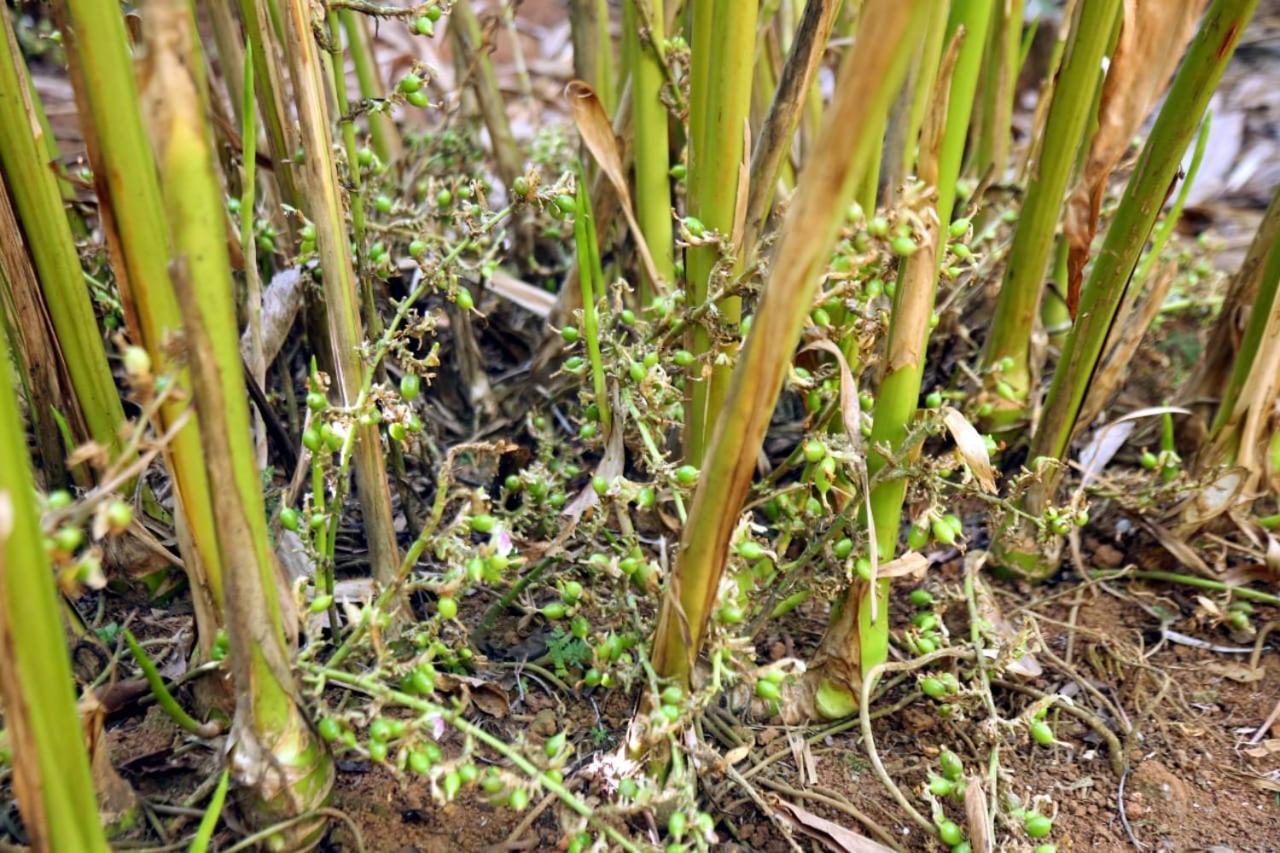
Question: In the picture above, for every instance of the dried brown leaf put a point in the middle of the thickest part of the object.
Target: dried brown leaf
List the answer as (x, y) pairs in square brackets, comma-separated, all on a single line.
[(909, 565), (529, 297), (975, 811), (280, 303), (1153, 35), (848, 390), (1238, 672), (832, 835), (597, 134), (972, 448)]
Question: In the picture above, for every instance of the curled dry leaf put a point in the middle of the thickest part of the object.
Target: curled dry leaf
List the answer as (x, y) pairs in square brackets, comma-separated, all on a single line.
[(848, 390), (610, 468), (597, 134), (910, 564), (1153, 35), (972, 448), (1238, 672), (533, 299), (831, 835), (975, 812), (1107, 440), (280, 303), (485, 695)]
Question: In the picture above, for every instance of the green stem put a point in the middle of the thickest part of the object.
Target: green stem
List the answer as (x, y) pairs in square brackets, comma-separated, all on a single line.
[(386, 138), (899, 392), (591, 280), (721, 92), (160, 691), (209, 823), (275, 754), (133, 219), (319, 186), (1017, 304), (50, 768), (38, 203), (1201, 68), (1198, 582), (868, 79), (651, 149)]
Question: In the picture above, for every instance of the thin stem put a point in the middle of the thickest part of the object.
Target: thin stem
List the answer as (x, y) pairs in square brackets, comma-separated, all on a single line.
[(590, 279), (162, 695)]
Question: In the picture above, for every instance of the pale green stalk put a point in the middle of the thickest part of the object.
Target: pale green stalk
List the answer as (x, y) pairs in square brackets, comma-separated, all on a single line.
[(386, 138), (993, 132), (50, 768), (651, 150), (868, 79), (276, 757), (38, 204), (319, 188), (1009, 342), (1174, 128), (133, 220), (721, 92), (899, 392), (263, 39)]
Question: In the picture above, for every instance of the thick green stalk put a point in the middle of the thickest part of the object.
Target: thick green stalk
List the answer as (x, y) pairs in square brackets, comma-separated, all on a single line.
[(319, 187), (37, 201), (899, 392), (386, 138), (50, 768), (133, 219), (275, 754), (1174, 129), (1065, 132), (1157, 167), (1165, 230), (993, 133), (721, 90), (888, 35), (921, 84), (608, 82), (651, 149)]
